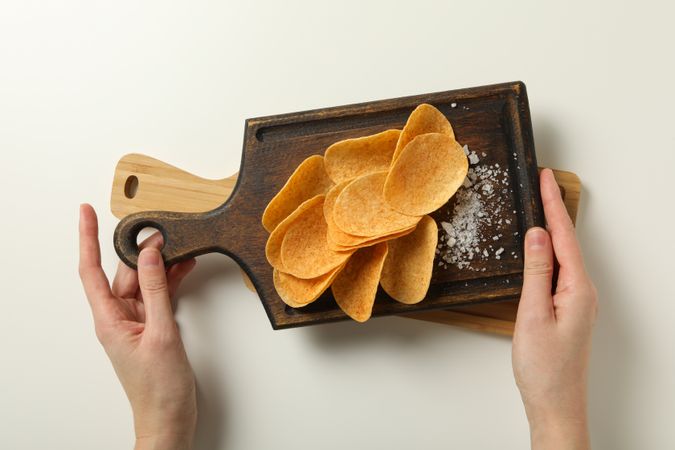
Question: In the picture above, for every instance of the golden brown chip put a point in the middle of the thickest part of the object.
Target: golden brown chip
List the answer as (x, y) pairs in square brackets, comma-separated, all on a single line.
[(309, 180), (427, 173), (297, 292), (355, 287), (360, 209), (352, 158), (406, 274), (335, 234), (360, 242), (273, 246), (338, 240), (424, 119), (304, 250)]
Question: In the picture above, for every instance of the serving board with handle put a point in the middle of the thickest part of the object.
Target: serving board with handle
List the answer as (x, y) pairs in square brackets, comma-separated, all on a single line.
[(143, 183), (493, 119)]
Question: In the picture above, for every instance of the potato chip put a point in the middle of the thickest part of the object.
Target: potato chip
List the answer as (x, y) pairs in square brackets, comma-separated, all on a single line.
[(335, 234), (273, 246), (406, 274), (356, 244), (338, 240), (297, 292), (309, 180), (424, 119), (427, 173), (355, 286), (304, 250), (352, 158), (360, 209)]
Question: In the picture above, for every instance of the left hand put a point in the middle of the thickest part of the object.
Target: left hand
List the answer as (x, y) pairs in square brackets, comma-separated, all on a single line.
[(135, 324)]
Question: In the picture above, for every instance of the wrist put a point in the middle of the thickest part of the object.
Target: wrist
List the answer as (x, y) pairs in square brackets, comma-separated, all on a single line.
[(165, 441), (166, 432), (554, 431), (165, 426)]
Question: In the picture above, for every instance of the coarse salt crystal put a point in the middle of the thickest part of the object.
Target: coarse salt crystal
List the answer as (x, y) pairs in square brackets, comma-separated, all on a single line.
[(447, 226)]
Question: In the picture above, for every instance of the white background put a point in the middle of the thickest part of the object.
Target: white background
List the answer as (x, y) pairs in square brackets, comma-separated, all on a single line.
[(84, 82)]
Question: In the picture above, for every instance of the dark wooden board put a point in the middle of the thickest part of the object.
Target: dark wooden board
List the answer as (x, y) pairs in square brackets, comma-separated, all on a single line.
[(494, 119)]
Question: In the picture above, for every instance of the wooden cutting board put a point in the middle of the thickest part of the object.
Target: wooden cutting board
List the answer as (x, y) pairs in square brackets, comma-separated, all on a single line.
[(493, 120), (143, 183)]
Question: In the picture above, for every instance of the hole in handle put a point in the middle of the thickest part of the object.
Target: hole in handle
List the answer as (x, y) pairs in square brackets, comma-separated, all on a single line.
[(131, 187), (147, 233)]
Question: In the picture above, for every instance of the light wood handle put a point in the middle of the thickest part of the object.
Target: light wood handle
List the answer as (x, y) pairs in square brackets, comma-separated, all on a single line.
[(142, 183)]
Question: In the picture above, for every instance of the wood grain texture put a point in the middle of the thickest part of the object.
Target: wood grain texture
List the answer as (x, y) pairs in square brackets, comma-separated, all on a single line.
[(492, 118), (160, 186)]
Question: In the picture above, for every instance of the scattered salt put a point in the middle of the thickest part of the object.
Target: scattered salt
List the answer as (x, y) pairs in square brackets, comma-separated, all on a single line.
[(478, 207)]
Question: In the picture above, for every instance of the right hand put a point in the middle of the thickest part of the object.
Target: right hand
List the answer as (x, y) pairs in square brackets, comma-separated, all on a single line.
[(552, 339)]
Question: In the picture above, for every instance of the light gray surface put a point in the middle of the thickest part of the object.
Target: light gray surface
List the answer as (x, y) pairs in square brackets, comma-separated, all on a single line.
[(83, 82)]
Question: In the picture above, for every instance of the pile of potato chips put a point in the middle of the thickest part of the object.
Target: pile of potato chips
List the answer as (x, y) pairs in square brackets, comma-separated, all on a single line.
[(357, 217)]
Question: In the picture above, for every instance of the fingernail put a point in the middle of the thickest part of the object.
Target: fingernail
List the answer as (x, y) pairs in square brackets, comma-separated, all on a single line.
[(149, 257), (535, 238)]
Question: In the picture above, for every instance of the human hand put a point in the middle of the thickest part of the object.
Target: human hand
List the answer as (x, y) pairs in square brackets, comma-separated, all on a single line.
[(135, 324), (552, 339)]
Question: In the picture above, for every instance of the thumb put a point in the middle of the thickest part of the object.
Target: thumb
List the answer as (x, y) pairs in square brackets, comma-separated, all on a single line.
[(154, 288), (536, 300)]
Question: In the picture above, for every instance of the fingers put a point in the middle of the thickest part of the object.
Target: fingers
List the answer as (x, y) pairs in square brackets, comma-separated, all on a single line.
[(177, 273), (155, 290), (560, 226), (93, 278), (536, 302), (125, 283)]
